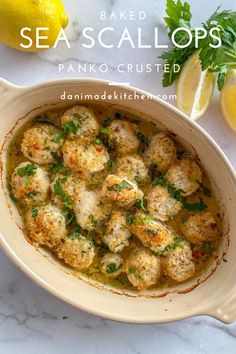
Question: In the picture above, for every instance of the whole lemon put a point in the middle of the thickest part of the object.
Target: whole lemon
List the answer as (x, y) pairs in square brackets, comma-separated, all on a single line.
[(18, 14)]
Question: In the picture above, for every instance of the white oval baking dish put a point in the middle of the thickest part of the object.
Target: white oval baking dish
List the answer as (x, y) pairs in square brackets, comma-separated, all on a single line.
[(213, 294)]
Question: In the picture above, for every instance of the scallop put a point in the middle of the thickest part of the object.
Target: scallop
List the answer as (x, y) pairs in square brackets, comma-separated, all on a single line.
[(111, 265), (90, 210), (46, 225), (121, 191), (161, 151), (122, 136), (117, 234), (201, 227), (42, 143), (152, 233), (143, 268), (179, 264), (133, 168), (79, 252), (161, 205), (85, 158), (185, 175), (30, 183), (83, 121)]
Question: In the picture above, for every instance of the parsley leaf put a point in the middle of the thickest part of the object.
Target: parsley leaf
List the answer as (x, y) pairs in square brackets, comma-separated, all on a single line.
[(141, 137), (34, 213), (218, 59), (28, 170), (106, 131), (141, 204), (57, 167), (133, 270), (112, 268), (194, 206)]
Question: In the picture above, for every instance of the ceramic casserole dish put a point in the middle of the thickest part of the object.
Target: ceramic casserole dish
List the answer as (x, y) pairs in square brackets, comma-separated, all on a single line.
[(214, 293)]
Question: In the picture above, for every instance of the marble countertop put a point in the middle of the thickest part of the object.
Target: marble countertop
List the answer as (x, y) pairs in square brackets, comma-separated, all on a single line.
[(32, 320)]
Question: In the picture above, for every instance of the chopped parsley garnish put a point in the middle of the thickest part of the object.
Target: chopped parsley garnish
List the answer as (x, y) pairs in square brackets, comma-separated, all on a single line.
[(119, 187), (55, 155), (76, 234), (194, 206), (58, 190), (35, 212), (69, 216), (159, 180), (71, 127), (130, 218), (205, 190), (205, 245), (106, 131), (57, 167), (28, 170), (175, 193), (79, 117), (177, 242), (141, 137), (112, 268), (107, 121), (99, 141), (133, 270), (57, 138), (141, 204)]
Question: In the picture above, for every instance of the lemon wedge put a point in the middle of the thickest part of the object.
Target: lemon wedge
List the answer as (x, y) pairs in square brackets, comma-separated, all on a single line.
[(228, 99), (194, 88)]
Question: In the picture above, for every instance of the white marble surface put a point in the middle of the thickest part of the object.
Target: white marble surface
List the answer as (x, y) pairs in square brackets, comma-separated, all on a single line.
[(31, 320)]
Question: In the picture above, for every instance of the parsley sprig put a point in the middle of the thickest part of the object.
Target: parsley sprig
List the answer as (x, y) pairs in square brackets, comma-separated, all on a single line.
[(218, 60)]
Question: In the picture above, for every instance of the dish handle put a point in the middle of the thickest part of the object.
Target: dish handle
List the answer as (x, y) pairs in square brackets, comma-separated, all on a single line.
[(226, 311), (7, 87)]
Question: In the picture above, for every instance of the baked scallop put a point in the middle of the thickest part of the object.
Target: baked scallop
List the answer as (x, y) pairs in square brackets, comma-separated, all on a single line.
[(152, 233), (46, 225), (42, 143), (80, 122), (143, 269), (186, 175), (85, 159), (133, 168), (122, 136), (77, 252), (30, 183), (90, 210), (111, 265), (161, 151), (121, 191), (200, 227), (161, 204), (179, 264), (117, 233)]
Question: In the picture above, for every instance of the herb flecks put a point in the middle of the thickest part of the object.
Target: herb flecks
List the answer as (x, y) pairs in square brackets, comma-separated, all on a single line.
[(133, 270), (119, 187), (112, 268)]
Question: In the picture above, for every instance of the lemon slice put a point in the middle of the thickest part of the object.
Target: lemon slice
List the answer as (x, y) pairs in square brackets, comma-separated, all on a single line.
[(194, 88), (228, 99)]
